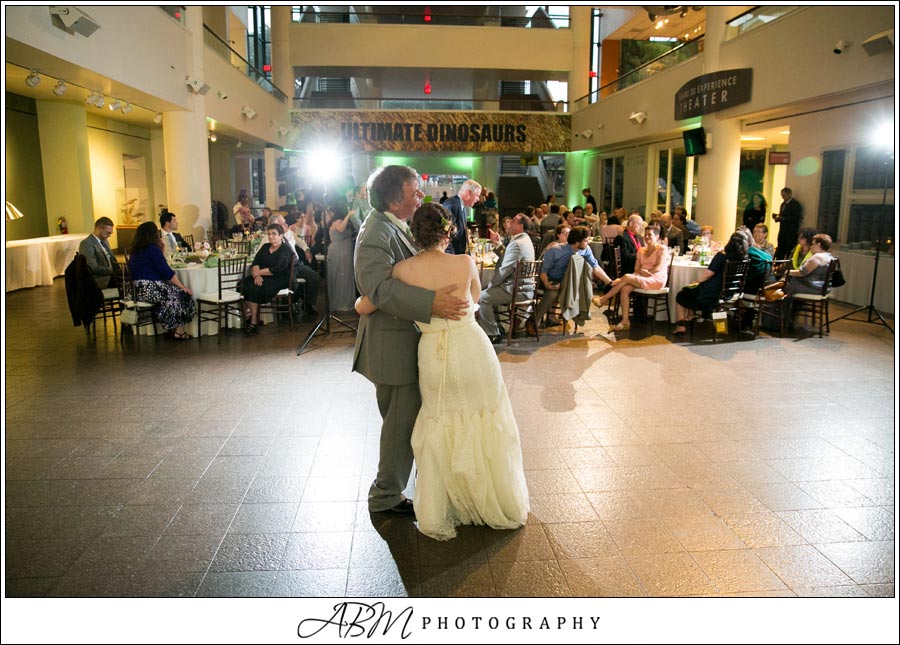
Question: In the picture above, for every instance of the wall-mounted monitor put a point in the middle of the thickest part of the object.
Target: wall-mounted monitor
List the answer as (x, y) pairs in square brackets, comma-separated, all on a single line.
[(694, 142)]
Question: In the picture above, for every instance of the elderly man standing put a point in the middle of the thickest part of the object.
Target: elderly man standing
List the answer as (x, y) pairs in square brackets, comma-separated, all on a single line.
[(387, 342), (468, 194), (98, 256), (499, 291)]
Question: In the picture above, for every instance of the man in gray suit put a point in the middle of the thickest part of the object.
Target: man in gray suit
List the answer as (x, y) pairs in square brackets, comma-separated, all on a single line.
[(99, 257), (499, 291), (387, 342)]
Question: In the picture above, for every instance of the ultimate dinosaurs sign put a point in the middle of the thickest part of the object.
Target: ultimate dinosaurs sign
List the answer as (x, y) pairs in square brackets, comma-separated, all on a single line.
[(425, 131)]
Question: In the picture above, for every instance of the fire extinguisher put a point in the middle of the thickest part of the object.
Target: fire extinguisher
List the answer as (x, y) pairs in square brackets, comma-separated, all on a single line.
[(62, 226)]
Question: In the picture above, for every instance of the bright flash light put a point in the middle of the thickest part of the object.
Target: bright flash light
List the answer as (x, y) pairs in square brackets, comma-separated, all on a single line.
[(883, 136), (323, 164)]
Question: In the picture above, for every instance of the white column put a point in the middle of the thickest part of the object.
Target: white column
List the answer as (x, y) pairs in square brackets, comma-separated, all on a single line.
[(273, 201), (580, 27), (282, 70), (718, 171), (186, 144)]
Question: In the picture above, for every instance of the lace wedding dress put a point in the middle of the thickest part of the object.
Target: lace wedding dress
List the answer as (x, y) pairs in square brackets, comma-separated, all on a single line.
[(465, 441)]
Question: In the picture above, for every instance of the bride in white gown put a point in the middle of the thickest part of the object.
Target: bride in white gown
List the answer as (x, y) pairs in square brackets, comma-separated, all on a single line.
[(465, 441)]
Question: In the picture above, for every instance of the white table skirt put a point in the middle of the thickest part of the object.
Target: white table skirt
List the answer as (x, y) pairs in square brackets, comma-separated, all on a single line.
[(683, 273), (36, 261), (202, 280), (857, 268)]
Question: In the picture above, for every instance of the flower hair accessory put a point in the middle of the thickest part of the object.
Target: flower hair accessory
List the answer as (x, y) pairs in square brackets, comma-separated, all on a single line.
[(445, 224)]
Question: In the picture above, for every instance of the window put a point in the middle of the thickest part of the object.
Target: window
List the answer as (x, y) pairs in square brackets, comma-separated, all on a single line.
[(831, 192), (259, 39)]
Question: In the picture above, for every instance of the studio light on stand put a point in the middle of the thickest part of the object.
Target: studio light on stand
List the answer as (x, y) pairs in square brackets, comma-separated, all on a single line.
[(323, 166), (885, 137)]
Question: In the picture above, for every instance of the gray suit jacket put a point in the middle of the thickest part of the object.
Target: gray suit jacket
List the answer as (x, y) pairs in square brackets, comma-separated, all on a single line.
[(519, 248), (97, 261), (387, 342)]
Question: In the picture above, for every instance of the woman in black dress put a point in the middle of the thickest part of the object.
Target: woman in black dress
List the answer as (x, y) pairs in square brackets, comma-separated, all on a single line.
[(755, 212), (271, 272)]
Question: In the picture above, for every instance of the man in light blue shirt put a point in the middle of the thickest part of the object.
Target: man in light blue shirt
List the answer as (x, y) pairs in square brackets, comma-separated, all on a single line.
[(556, 261)]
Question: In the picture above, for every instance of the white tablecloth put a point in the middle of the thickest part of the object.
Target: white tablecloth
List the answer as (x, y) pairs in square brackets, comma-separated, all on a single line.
[(200, 279), (36, 261), (683, 273), (857, 268)]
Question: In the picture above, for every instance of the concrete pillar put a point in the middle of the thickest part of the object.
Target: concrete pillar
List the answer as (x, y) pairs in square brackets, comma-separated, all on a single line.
[(718, 171), (62, 128), (186, 145), (574, 179), (580, 27), (282, 70), (270, 158)]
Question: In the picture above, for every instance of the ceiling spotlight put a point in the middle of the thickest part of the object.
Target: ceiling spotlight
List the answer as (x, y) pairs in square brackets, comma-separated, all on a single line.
[(115, 105), (99, 101), (33, 79), (248, 112), (282, 130), (222, 95), (95, 99), (637, 117), (196, 85), (60, 88), (157, 118), (126, 108), (213, 137), (238, 144)]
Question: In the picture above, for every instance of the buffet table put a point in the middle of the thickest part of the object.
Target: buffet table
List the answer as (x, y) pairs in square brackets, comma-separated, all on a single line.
[(36, 261)]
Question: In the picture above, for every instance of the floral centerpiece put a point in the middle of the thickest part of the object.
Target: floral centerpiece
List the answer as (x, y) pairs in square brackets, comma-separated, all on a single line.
[(202, 249)]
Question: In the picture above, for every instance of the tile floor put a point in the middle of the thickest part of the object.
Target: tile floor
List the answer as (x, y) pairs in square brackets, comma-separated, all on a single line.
[(156, 468)]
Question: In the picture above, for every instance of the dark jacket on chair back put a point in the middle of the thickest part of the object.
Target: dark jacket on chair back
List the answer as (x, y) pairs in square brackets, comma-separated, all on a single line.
[(84, 296)]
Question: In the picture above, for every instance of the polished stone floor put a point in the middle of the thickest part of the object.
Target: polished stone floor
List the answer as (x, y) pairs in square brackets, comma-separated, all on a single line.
[(656, 468)]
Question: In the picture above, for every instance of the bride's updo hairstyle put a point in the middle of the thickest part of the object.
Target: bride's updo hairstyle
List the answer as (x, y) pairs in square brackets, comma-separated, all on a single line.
[(430, 223)]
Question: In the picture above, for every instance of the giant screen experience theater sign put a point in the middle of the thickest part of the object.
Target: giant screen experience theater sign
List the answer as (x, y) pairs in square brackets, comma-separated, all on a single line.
[(426, 131), (713, 92)]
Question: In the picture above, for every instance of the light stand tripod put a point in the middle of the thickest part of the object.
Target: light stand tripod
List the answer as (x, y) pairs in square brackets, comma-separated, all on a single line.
[(327, 316), (870, 308)]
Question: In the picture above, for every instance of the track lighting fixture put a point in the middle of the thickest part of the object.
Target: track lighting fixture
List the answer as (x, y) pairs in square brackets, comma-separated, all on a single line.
[(33, 79), (60, 88)]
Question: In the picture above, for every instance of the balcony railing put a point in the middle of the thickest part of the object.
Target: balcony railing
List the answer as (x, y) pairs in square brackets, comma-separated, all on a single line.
[(755, 18), (224, 50), (436, 16), (671, 58), (506, 104)]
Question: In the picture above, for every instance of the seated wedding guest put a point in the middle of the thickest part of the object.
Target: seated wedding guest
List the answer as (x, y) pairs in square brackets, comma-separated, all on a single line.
[(590, 217), (655, 217), (669, 233), (556, 261), (810, 277), (549, 222), (630, 241), (155, 282), (613, 227), (575, 217), (760, 263), (682, 220), (803, 251), (168, 222), (499, 292), (310, 276), (243, 216), (651, 270), (560, 237), (270, 273), (761, 239), (704, 293), (99, 257)]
